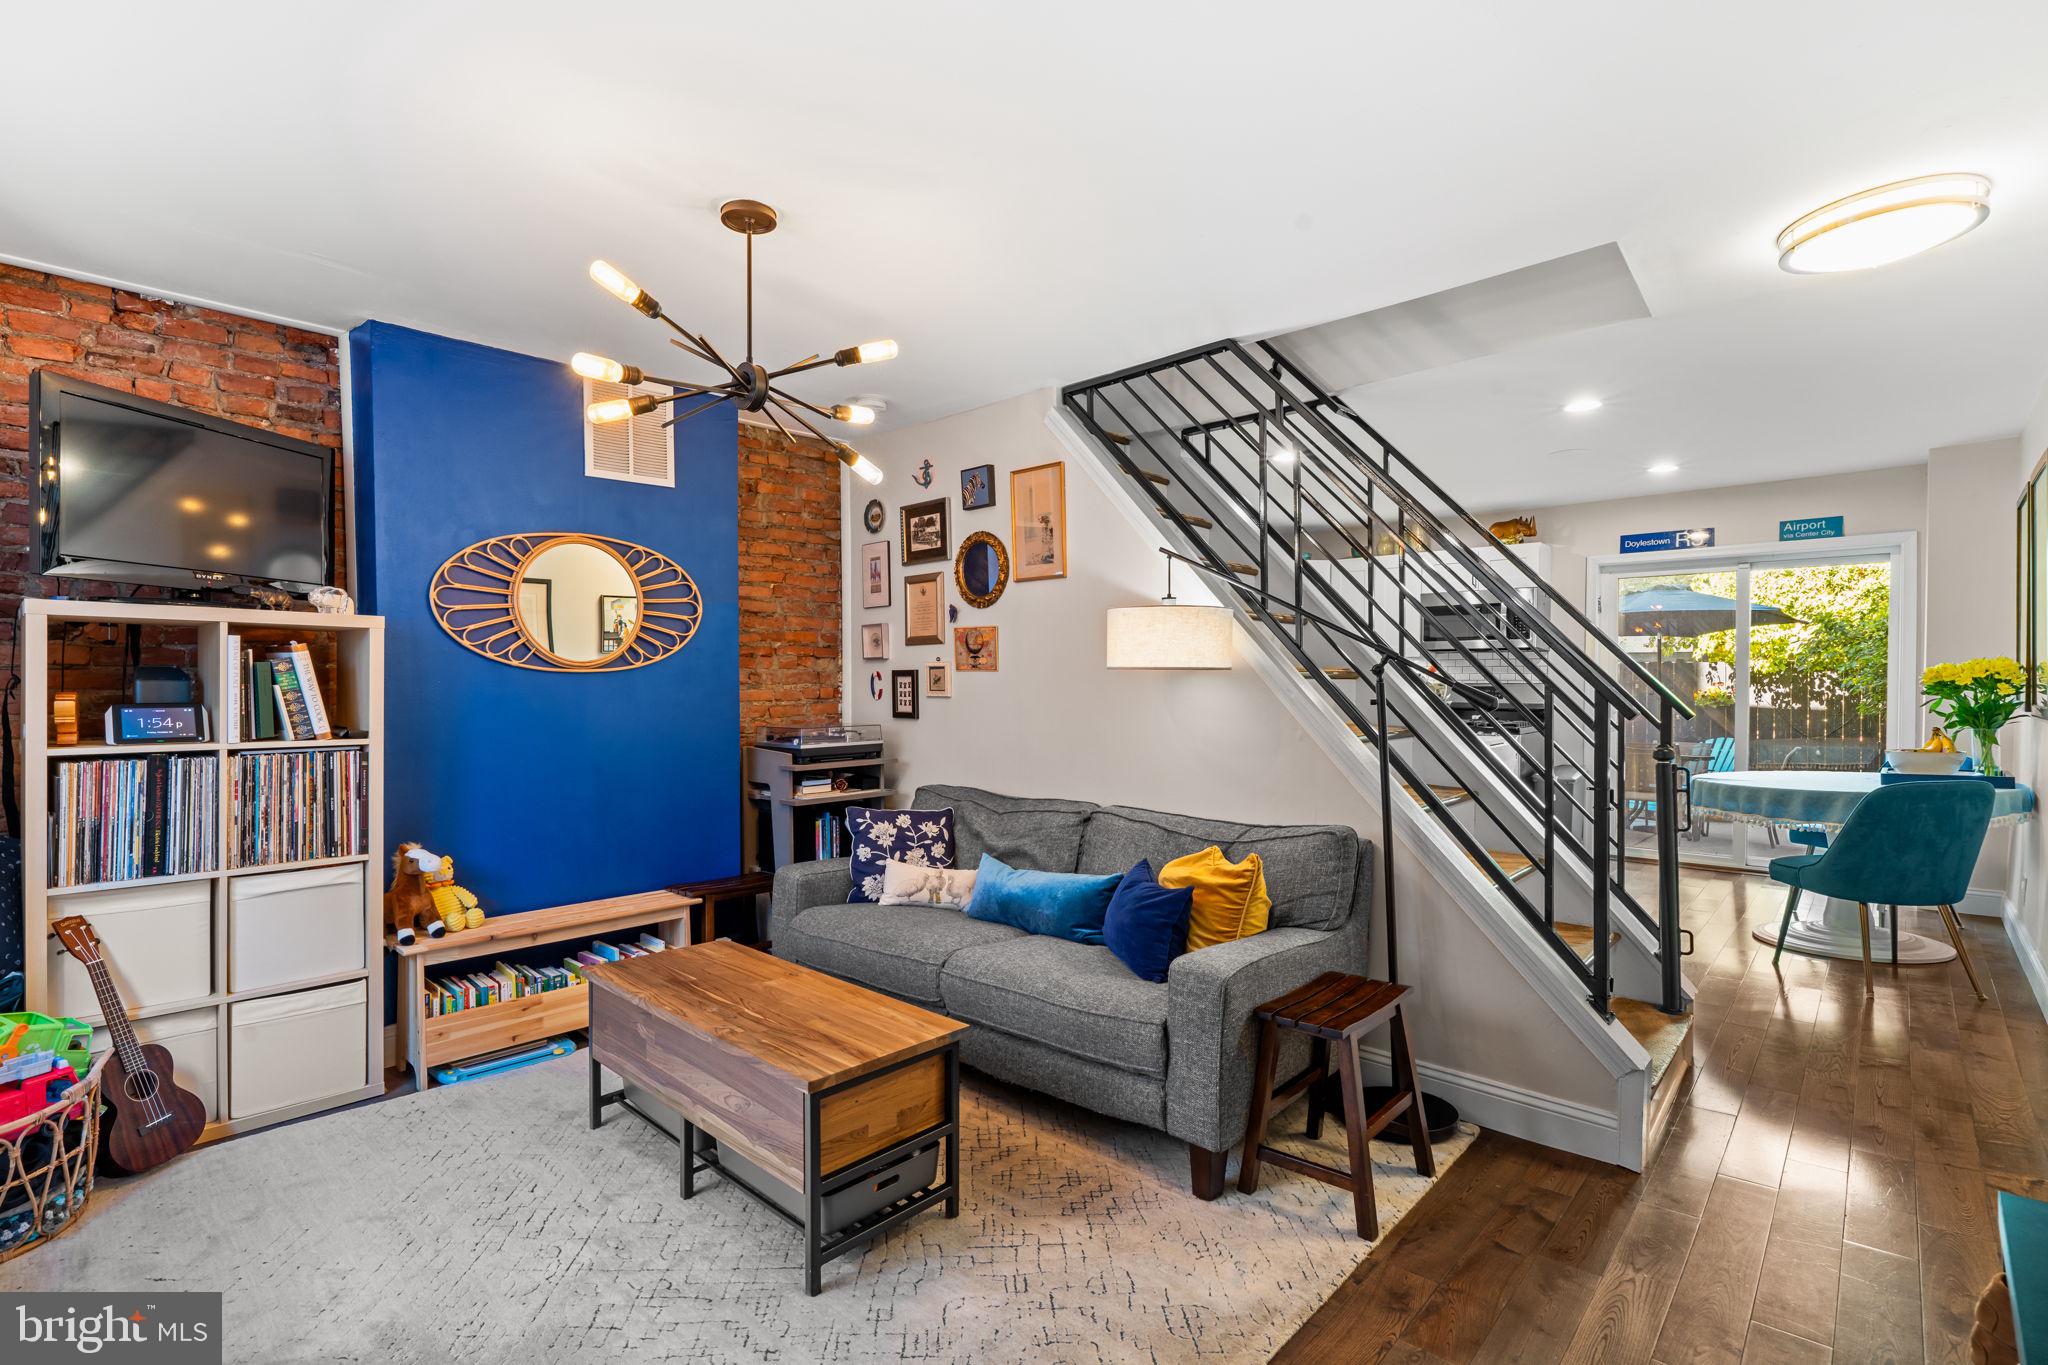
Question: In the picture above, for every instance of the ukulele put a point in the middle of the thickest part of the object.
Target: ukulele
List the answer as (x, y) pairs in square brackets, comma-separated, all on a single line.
[(150, 1120)]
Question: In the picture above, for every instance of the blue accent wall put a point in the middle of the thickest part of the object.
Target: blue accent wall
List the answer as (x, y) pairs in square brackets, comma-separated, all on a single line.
[(544, 787)]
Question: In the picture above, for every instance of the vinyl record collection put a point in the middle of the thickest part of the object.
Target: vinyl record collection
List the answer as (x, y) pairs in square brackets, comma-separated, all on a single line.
[(293, 807), (121, 819)]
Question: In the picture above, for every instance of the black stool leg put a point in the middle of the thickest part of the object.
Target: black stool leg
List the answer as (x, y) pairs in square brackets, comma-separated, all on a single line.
[(1319, 1088), (1262, 1104), (1405, 1079), (1365, 1210)]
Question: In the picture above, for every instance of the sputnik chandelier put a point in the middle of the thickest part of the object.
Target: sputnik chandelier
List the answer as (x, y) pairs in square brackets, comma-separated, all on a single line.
[(749, 385)]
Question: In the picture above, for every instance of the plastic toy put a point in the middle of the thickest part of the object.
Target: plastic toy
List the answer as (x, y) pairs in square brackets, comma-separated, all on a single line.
[(408, 905), (510, 1059), (68, 1038), (34, 1093), (456, 905)]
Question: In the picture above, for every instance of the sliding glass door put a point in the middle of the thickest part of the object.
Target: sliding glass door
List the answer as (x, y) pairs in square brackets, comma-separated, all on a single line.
[(1791, 659)]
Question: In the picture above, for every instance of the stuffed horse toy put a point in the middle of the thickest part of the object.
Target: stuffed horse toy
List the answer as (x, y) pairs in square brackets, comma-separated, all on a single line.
[(409, 905)]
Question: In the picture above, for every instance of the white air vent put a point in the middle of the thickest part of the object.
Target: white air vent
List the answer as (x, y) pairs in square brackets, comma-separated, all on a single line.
[(641, 450)]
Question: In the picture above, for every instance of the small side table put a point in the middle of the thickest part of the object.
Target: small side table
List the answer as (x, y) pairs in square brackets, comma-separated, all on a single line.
[(714, 895), (1337, 1008)]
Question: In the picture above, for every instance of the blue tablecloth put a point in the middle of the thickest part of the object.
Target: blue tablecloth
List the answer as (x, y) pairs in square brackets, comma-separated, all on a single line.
[(1815, 798)]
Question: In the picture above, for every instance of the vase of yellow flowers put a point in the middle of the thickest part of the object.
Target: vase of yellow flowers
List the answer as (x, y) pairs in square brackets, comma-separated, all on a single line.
[(1978, 695)]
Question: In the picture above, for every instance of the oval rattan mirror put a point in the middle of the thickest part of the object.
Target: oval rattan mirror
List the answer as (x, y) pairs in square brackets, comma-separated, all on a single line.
[(566, 601)]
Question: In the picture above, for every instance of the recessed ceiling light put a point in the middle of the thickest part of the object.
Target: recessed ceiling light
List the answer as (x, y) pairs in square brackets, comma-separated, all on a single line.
[(1885, 224), (1663, 467), (1579, 405)]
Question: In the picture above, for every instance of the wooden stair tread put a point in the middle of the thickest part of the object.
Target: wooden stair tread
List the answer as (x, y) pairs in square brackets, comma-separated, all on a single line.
[(1393, 731), (1240, 569), (1662, 1035), (1579, 938), (1512, 864), (1445, 793), (1191, 519), (1334, 672), (1118, 437), (1155, 478)]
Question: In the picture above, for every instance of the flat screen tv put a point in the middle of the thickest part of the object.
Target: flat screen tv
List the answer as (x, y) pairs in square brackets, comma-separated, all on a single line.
[(127, 490)]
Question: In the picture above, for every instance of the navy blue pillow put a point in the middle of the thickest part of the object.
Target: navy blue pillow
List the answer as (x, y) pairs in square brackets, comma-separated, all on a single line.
[(1064, 905), (922, 838), (1147, 924)]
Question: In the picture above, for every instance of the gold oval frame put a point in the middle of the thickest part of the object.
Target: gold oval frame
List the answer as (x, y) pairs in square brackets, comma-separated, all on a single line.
[(974, 599), (474, 592)]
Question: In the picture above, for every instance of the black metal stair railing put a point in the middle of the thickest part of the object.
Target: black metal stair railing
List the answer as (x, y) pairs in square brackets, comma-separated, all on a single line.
[(1351, 556)]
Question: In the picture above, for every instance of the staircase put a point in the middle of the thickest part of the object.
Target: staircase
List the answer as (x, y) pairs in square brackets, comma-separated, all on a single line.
[(1502, 716)]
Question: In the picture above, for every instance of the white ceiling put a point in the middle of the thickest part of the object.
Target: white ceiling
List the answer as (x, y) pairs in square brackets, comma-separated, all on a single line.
[(1035, 195)]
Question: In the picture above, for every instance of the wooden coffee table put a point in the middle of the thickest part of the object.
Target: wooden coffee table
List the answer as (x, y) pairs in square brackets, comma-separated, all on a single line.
[(820, 1098)]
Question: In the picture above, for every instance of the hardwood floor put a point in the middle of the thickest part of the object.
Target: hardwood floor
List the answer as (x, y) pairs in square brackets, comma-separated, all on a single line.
[(1824, 1193)]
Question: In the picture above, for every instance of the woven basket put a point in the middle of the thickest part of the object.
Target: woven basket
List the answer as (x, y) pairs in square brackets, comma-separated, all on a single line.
[(46, 1168)]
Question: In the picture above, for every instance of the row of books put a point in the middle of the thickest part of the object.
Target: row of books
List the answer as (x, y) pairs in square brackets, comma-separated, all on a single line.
[(510, 981), (276, 695), (292, 807), (120, 819), (829, 836), (504, 981)]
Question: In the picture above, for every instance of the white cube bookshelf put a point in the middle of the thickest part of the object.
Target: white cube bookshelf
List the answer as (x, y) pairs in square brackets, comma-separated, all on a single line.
[(357, 703)]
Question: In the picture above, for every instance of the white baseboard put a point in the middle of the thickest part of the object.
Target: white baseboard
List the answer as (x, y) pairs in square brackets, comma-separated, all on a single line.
[(1563, 1124), (2030, 956), (1983, 902)]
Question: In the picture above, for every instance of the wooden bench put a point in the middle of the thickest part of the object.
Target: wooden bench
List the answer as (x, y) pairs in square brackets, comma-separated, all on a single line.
[(426, 1041)]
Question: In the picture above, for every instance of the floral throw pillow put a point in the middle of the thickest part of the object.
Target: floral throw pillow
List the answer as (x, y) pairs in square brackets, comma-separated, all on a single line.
[(922, 838)]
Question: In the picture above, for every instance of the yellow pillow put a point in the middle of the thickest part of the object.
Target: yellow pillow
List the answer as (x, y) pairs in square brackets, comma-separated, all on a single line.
[(1230, 900)]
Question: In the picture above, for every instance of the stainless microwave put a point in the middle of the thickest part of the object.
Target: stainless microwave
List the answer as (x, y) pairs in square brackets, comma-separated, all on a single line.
[(1445, 619)]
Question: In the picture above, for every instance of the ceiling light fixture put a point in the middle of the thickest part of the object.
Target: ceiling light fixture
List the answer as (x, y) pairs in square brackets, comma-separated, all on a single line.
[(1885, 224), (747, 385), (1663, 467), (1581, 405)]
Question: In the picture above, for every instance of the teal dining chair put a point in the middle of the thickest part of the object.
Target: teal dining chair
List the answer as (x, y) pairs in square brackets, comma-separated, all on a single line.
[(1913, 843)]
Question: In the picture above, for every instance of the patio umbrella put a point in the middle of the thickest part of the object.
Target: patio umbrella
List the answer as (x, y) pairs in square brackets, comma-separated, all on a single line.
[(1669, 611)]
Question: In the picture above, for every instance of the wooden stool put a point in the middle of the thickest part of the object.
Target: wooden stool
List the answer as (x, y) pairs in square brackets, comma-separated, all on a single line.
[(716, 895), (1334, 1008)]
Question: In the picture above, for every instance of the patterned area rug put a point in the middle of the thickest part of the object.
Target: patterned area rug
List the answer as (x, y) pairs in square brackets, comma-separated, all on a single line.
[(486, 1222)]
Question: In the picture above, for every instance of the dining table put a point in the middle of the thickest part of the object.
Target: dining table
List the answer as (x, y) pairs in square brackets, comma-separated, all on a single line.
[(1790, 799)]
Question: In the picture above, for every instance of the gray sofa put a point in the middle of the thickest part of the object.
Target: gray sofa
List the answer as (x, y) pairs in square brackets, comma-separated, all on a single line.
[(1069, 1019)]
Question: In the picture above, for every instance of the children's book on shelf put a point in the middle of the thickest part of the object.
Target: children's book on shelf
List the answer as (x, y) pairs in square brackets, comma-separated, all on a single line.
[(504, 981)]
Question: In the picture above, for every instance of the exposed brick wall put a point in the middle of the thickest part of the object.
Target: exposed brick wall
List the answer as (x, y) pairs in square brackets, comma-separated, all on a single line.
[(256, 373), (789, 582)]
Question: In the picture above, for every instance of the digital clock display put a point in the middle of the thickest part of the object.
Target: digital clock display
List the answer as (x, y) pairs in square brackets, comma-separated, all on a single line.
[(143, 724)]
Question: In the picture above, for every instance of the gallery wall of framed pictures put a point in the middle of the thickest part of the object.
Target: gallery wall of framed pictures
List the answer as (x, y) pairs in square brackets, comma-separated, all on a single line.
[(983, 569)]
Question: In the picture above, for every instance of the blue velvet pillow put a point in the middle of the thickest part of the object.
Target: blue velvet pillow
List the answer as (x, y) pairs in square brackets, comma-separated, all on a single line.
[(1055, 904), (922, 838), (1147, 924)]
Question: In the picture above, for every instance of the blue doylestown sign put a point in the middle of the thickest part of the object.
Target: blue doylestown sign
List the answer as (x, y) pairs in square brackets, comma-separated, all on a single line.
[(1810, 528), (1640, 542)]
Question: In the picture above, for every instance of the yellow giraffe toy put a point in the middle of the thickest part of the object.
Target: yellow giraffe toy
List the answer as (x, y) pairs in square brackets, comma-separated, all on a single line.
[(456, 905)]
